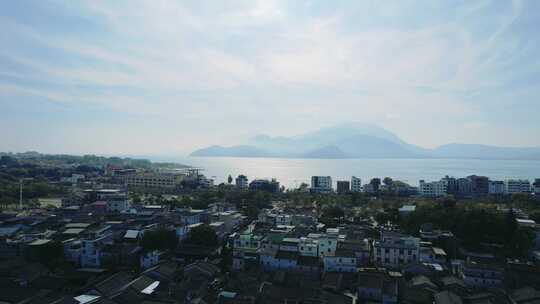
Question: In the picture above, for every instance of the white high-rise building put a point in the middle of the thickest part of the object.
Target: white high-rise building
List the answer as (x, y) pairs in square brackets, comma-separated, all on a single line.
[(433, 189), (517, 186), (356, 184)]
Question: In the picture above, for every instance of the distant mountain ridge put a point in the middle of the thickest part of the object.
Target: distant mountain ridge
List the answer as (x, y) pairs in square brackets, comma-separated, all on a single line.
[(358, 140)]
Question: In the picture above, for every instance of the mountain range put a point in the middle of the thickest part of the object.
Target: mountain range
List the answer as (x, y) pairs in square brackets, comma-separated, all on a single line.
[(358, 140)]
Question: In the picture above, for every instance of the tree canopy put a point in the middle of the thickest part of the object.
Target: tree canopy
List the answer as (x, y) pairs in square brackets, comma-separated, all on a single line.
[(202, 235)]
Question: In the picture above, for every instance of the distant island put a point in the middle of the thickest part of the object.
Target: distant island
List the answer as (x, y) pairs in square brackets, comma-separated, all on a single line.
[(358, 140), (65, 160)]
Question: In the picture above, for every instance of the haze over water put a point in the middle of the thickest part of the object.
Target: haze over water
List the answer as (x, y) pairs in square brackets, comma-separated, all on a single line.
[(292, 172)]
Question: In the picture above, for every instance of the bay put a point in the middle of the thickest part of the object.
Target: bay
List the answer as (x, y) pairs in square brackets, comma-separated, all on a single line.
[(291, 172)]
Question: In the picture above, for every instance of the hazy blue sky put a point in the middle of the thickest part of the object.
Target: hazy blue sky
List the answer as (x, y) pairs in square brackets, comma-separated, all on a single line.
[(165, 77)]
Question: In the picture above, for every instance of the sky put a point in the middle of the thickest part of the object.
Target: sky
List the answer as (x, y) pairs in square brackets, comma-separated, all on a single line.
[(166, 77)]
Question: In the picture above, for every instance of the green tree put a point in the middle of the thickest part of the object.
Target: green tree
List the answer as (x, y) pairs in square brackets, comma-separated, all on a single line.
[(202, 235), (159, 239), (230, 179), (376, 183), (333, 212)]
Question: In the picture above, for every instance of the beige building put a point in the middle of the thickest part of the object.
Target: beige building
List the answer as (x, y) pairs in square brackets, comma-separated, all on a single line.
[(154, 180)]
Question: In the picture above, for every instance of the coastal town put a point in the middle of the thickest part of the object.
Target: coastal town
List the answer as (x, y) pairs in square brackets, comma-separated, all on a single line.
[(91, 229)]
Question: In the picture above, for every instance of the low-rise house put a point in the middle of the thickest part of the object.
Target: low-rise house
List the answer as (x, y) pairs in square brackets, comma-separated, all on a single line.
[(191, 216), (219, 229), (309, 265), (360, 248), (327, 241), (150, 258), (289, 244), (73, 250), (479, 275), (342, 260), (432, 255), (92, 243), (303, 219), (308, 247), (395, 251), (283, 219), (376, 286), (245, 248), (280, 260), (525, 295)]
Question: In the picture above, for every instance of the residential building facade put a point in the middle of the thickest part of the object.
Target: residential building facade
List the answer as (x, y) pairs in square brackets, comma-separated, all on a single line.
[(356, 184)]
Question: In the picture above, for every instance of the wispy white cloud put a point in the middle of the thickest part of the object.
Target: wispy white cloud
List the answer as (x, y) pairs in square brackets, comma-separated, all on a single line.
[(242, 62)]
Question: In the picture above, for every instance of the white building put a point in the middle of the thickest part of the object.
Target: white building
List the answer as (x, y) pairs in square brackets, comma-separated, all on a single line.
[(433, 189), (536, 187), (241, 182), (327, 242), (496, 188), (395, 250), (283, 219), (356, 184), (517, 186), (321, 184), (308, 247), (154, 179)]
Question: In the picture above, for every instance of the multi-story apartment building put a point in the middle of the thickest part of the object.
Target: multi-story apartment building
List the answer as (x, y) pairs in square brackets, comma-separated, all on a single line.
[(479, 185), (497, 188), (536, 187), (433, 189), (321, 184), (459, 187), (115, 200), (356, 184), (517, 186), (245, 248), (395, 250), (241, 182), (154, 180), (264, 185), (343, 186)]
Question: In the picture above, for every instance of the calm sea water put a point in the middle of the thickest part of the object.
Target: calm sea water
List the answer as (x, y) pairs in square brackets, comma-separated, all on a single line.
[(292, 172)]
